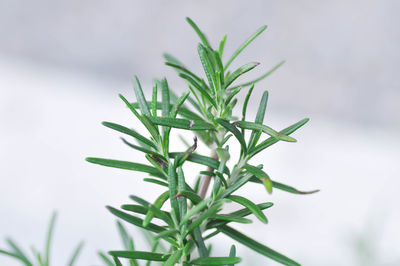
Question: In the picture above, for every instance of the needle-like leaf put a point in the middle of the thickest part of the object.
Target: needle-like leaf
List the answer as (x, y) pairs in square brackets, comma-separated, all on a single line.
[(265, 129), (244, 45), (251, 206), (140, 255), (232, 253), (140, 96), (201, 35), (263, 176), (256, 246), (124, 165), (272, 70), (201, 159), (222, 46), (75, 254), (48, 240), (173, 258), (270, 141), (216, 260), (240, 71), (182, 123), (239, 136), (17, 252), (255, 134), (129, 132), (105, 259), (135, 220)]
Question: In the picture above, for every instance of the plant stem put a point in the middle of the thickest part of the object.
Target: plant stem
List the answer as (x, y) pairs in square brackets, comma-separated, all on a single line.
[(205, 183)]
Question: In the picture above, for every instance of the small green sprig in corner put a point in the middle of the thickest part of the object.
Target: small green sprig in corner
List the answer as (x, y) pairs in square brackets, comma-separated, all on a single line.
[(40, 258), (207, 109)]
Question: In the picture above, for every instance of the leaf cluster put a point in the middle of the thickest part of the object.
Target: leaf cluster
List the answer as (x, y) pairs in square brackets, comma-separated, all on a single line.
[(40, 258), (184, 218)]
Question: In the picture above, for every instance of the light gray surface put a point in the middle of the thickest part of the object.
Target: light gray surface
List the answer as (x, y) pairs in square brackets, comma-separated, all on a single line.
[(341, 54)]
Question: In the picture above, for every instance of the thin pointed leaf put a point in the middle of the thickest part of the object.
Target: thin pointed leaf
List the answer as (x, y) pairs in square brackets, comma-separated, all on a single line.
[(49, 237), (263, 176), (182, 69), (236, 185), (207, 66), (14, 256), (143, 149), (17, 252), (174, 258), (126, 239), (145, 121), (284, 187), (231, 218), (203, 216), (233, 93), (244, 45), (75, 254), (181, 187), (199, 88), (232, 253), (105, 259), (265, 129), (197, 208), (262, 76), (222, 46), (140, 96), (270, 141), (135, 208), (154, 100), (256, 246), (117, 261), (201, 159), (182, 123), (216, 260), (129, 132), (250, 205), (201, 35), (124, 165), (171, 232), (158, 203), (135, 220), (173, 188), (231, 128), (220, 67), (203, 252), (155, 181), (178, 104), (155, 210), (193, 197), (165, 98), (255, 134), (183, 110), (240, 71), (139, 255), (171, 59), (240, 213), (246, 101)]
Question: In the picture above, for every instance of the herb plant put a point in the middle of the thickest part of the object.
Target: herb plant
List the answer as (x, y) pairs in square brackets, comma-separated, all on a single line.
[(207, 110), (40, 258)]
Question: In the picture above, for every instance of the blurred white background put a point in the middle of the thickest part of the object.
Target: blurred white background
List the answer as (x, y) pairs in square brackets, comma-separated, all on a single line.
[(62, 64)]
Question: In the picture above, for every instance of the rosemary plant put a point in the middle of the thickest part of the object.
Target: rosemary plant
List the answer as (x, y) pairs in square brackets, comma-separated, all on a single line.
[(40, 258), (206, 109)]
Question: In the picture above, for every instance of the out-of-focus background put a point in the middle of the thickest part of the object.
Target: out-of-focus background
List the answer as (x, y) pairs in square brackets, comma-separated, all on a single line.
[(62, 64)]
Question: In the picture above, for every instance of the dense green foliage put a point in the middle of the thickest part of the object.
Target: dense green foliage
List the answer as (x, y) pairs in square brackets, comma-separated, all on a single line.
[(206, 109), (180, 233)]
